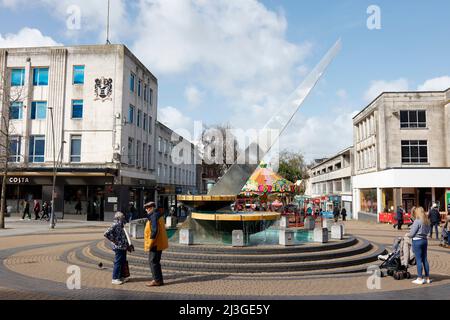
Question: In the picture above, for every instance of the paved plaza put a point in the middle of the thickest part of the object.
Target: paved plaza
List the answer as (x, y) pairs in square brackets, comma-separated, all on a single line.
[(34, 266)]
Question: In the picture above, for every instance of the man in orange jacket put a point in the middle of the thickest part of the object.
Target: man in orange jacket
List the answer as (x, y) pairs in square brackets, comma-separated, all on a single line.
[(155, 241)]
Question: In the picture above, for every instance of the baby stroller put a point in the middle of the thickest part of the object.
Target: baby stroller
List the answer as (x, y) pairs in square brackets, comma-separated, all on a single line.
[(397, 262), (444, 236)]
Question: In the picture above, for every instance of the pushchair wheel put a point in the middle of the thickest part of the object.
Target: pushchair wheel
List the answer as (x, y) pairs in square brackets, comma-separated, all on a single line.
[(408, 275), (382, 274), (398, 276), (390, 273)]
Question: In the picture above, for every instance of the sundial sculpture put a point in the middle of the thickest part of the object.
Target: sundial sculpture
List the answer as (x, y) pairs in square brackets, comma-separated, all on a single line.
[(212, 212)]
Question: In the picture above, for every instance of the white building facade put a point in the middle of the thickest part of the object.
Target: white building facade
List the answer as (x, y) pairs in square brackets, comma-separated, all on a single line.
[(176, 171), (93, 109), (402, 153), (331, 181)]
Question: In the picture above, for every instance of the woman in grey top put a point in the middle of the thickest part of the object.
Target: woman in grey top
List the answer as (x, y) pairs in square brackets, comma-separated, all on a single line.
[(419, 232)]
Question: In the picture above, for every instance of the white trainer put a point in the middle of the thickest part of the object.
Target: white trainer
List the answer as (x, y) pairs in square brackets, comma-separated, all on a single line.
[(429, 281), (117, 282), (417, 281)]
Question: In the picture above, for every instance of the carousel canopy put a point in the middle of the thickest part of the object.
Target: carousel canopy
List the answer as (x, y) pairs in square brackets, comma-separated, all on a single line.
[(264, 180)]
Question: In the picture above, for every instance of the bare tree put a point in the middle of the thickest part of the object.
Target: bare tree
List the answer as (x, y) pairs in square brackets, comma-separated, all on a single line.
[(8, 96)]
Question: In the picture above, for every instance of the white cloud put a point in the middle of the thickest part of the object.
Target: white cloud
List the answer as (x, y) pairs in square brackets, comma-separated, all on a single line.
[(175, 120), (435, 84), (93, 15), (238, 49), (320, 136), (26, 37), (379, 86), (193, 95)]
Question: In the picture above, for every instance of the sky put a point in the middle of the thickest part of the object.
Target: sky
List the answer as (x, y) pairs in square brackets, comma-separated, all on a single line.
[(236, 61)]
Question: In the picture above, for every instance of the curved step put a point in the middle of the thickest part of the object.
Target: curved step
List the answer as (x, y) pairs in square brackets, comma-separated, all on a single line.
[(321, 261)]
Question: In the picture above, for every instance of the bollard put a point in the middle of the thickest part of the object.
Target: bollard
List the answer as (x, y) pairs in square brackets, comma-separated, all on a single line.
[(284, 222), (186, 237), (137, 228), (237, 238), (337, 232), (321, 235), (171, 222), (286, 237)]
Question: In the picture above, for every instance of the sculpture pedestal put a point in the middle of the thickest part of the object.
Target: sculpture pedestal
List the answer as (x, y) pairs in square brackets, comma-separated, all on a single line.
[(309, 223), (337, 232), (321, 235), (286, 237), (186, 237), (237, 238)]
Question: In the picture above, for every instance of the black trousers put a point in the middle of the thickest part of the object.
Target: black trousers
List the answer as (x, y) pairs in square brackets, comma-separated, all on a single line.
[(154, 259)]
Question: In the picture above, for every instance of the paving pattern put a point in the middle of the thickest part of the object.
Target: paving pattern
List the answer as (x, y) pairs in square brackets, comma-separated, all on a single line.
[(34, 266)]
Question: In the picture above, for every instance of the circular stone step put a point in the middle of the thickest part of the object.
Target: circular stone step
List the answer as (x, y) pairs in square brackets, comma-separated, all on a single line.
[(351, 254)]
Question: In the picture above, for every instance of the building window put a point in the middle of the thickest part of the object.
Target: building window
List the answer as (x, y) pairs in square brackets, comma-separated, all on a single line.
[(149, 158), (413, 119), (16, 111), (131, 114), (144, 155), (150, 125), (78, 74), (132, 82), (130, 151), (139, 116), (144, 125), (145, 92), (17, 77), (37, 148), (75, 149), (165, 170), (40, 77), (159, 169), (38, 110), (138, 153), (415, 151), (139, 87), (160, 144), (368, 200), (14, 149), (77, 109), (151, 96)]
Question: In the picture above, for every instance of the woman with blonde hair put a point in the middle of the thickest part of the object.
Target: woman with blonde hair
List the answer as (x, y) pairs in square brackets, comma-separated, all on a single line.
[(419, 233)]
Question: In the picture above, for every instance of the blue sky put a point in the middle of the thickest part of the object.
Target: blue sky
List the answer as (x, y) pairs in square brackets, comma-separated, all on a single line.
[(235, 61)]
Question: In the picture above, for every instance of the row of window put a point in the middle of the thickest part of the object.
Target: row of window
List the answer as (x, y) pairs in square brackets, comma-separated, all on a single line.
[(39, 110), (142, 119), (413, 152), (139, 154), (40, 76), (171, 172), (137, 86), (165, 146), (37, 149)]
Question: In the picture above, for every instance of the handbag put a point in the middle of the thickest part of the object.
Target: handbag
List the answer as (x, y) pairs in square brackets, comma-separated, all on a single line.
[(125, 272)]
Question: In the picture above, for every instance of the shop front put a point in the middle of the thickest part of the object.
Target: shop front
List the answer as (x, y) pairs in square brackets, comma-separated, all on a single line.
[(91, 196)]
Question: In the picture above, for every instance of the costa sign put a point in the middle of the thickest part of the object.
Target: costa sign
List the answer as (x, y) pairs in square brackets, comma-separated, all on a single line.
[(18, 180)]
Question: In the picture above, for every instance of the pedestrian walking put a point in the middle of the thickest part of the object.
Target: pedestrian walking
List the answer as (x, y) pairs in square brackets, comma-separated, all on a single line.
[(26, 210), (435, 220), (116, 234), (155, 242), (399, 217), (36, 209), (78, 207), (419, 232), (336, 213), (344, 214), (45, 211)]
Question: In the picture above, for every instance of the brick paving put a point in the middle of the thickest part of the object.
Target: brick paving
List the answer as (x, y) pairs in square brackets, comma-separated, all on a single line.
[(34, 266)]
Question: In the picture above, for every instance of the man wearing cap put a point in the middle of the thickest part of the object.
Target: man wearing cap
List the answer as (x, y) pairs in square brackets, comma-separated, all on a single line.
[(435, 220), (155, 241)]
